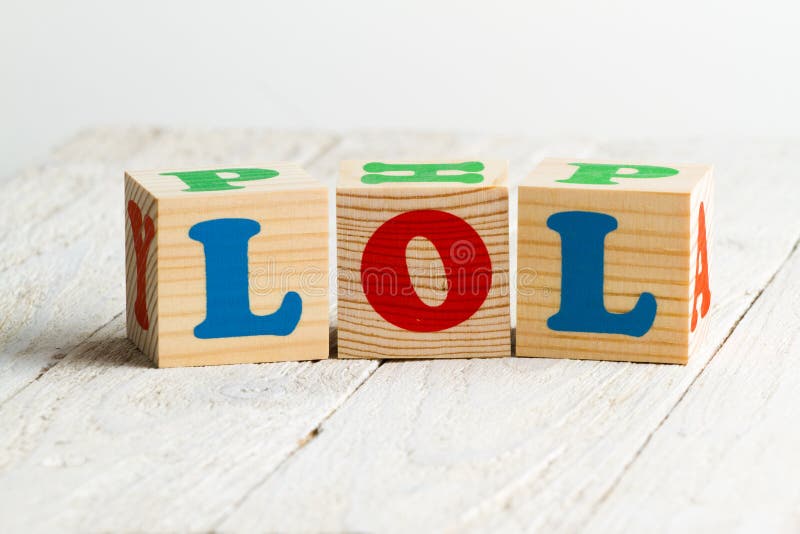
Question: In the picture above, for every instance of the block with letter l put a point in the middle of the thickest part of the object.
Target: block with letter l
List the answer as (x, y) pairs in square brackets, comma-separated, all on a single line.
[(227, 265), (613, 260), (423, 259)]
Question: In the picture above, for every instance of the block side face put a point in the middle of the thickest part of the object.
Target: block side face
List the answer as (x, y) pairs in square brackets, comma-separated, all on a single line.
[(234, 179), (701, 258), (619, 175), (364, 332), (647, 252), (286, 254), (141, 266), (402, 174)]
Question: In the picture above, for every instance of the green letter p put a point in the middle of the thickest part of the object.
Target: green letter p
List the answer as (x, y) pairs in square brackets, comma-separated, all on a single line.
[(602, 173), (220, 179)]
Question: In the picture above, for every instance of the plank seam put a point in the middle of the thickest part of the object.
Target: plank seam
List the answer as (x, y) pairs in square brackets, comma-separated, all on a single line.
[(59, 357), (301, 444)]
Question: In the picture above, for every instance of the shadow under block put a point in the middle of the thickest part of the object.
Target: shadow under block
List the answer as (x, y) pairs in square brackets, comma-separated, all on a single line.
[(423, 259), (613, 260), (227, 265)]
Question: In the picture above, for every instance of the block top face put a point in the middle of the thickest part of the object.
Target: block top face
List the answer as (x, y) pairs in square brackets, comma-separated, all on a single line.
[(221, 180), (376, 173), (616, 175)]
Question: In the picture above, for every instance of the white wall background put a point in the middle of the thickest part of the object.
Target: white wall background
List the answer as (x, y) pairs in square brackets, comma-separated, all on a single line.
[(604, 68)]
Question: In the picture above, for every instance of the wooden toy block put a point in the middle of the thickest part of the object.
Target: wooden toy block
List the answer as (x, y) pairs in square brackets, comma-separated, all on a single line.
[(227, 265), (613, 260), (423, 259)]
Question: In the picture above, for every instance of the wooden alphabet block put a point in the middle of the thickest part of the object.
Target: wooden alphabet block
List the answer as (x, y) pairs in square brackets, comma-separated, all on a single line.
[(227, 265), (613, 260), (423, 259)]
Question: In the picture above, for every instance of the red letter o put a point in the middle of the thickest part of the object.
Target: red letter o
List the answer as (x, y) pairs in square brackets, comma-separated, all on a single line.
[(466, 264)]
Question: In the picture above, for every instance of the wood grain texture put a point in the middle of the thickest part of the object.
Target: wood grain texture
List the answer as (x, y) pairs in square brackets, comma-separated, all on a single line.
[(290, 253), (62, 260), (363, 208), (652, 250), (726, 457), (524, 444), (103, 442)]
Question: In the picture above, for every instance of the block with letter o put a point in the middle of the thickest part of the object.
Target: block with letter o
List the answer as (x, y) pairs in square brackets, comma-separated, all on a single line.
[(423, 259)]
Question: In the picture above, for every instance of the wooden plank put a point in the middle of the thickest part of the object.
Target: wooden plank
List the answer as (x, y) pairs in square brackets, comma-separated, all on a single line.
[(105, 442), (64, 214), (63, 256), (726, 457), (489, 445)]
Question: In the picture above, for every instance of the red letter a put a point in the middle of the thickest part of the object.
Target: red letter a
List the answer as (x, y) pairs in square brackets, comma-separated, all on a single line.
[(701, 270)]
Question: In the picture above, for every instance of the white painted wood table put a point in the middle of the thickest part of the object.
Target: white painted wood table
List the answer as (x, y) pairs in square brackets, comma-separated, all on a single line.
[(94, 439)]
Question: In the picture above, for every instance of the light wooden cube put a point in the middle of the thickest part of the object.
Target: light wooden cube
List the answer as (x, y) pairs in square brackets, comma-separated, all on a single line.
[(227, 265), (423, 259), (613, 260)]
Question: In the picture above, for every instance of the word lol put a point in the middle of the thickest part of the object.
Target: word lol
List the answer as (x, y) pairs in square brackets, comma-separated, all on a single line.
[(231, 265)]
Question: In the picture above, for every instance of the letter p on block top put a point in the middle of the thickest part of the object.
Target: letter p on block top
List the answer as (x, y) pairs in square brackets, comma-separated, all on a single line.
[(613, 260), (423, 259), (227, 265)]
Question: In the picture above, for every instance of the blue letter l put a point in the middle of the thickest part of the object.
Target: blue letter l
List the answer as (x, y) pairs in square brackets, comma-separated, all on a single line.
[(583, 309), (227, 290)]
